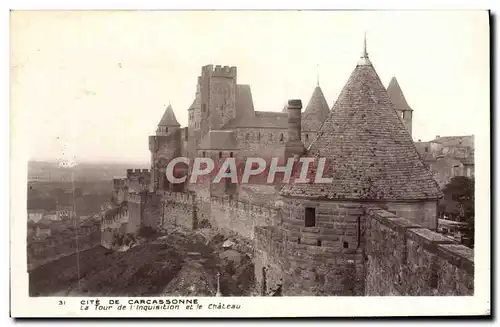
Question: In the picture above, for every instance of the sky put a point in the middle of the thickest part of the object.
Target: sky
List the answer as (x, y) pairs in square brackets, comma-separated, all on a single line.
[(90, 86)]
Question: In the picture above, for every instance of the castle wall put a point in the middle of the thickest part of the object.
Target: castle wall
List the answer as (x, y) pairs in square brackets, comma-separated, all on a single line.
[(135, 208), (268, 251), (240, 217), (152, 211), (328, 257), (325, 259), (423, 213), (47, 251), (189, 209), (114, 222), (179, 209), (262, 142), (405, 259)]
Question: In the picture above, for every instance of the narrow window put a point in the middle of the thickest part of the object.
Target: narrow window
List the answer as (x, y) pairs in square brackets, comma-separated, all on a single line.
[(231, 154), (220, 154), (258, 137), (318, 243), (298, 240), (426, 149), (247, 137), (166, 129), (310, 217), (203, 154), (346, 245), (281, 137), (307, 137)]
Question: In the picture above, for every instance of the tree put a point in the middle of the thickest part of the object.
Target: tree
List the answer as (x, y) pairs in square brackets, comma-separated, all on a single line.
[(458, 202)]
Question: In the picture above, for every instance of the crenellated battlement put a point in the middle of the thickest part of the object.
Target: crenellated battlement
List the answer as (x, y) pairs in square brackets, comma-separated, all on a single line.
[(218, 71), (131, 173), (118, 214)]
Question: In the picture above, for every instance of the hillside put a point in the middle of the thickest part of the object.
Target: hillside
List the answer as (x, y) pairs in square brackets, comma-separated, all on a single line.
[(180, 263)]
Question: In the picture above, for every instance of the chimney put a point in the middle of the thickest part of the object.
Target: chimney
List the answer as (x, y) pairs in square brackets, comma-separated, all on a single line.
[(294, 145)]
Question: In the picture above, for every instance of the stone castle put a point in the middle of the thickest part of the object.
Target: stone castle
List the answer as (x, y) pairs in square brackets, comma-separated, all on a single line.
[(371, 232)]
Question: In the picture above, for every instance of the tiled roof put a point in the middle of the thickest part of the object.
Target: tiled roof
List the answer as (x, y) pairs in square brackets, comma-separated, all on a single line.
[(244, 101), (219, 140), (369, 153), (465, 141), (396, 95), (316, 111), (168, 118)]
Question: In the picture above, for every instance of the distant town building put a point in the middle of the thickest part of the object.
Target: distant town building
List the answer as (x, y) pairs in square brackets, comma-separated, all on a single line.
[(448, 157), (35, 215), (64, 212)]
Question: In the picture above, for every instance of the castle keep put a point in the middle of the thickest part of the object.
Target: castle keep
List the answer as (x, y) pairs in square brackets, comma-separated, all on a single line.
[(372, 231)]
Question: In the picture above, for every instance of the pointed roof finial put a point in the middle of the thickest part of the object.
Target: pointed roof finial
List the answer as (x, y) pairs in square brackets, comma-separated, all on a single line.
[(364, 60), (365, 53), (317, 74)]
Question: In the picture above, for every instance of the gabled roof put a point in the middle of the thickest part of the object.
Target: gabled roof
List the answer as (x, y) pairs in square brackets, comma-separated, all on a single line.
[(219, 140), (244, 101), (455, 141), (316, 111), (168, 118), (285, 108), (396, 95), (369, 153)]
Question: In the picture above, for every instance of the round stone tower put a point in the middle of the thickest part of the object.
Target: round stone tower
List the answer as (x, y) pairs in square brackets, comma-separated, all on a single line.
[(165, 146)]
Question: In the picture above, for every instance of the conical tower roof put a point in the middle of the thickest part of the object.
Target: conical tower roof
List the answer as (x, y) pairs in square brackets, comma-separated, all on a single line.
[(169, 119), (316, 111), (369, 154), (396, 95)]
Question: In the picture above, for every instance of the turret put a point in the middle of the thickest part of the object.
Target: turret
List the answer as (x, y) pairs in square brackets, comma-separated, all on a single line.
[(405, 112), (164, 146)]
